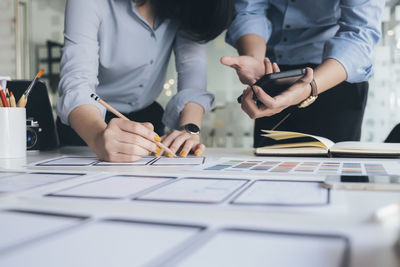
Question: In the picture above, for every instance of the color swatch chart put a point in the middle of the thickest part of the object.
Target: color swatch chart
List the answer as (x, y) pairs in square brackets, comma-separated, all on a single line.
[(306, 167)]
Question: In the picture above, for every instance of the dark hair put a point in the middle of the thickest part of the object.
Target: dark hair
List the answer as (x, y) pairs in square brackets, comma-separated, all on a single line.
[(204, 20)]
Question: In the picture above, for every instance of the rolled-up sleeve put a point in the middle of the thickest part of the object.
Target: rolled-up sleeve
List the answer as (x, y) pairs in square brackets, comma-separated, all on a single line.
[(80, 57), (359, 30), (190, 60), (250, 18)]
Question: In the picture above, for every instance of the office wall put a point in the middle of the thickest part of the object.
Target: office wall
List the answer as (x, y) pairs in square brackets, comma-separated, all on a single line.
[(7, 39)]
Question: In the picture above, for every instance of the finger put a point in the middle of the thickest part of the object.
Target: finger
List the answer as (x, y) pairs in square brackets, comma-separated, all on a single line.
[(179, 141), (148, 125), (250, 107), (139, 129), (309, 76), (268, 66), (266, 99), (199, 149), (170, 138), (130, 149), (186, 147), (230, 61), (275, 67), (134, 139)]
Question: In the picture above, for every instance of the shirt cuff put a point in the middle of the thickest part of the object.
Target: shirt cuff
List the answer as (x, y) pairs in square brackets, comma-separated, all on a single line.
[(71, 100), (354, 59), (248, 24), (177, 103)]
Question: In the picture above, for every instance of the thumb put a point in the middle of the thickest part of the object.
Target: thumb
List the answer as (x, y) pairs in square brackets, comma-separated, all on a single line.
[(309, 76), (148, 125), (231, 61)]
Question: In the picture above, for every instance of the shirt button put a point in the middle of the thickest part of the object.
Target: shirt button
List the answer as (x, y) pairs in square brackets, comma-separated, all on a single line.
[(292, 1), (151, 61), (279, 56), (140, 85), (284, 39), (287, 26)]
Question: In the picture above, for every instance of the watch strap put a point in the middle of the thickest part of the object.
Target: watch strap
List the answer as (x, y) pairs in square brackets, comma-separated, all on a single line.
[(313, 96)]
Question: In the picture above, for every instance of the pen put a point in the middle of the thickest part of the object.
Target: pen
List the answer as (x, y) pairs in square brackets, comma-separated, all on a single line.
[(387, 212), (3, 99), (121, 116), (24, 98)]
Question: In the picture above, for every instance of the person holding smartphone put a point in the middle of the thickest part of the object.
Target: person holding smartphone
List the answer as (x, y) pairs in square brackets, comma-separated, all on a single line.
[(334, 38), (120, 49)]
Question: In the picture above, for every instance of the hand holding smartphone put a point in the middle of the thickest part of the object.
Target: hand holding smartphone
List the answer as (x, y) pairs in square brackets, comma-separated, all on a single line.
[(275, 83)]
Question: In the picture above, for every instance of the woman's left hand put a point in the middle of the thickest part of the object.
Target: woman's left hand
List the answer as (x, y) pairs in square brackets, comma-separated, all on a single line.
[(182, 143)]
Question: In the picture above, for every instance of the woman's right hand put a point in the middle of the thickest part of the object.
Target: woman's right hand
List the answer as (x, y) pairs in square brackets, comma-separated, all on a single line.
[(125, 141)]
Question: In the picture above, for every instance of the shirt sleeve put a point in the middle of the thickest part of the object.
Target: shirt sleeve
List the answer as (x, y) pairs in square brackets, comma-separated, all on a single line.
[(359, 31), (251, 18), (190, 60), (80, 57)]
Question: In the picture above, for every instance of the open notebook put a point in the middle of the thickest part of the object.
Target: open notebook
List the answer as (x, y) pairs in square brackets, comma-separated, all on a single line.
[(283, 143)]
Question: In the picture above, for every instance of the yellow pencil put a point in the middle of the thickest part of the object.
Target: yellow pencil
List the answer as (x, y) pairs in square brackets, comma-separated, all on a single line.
[(121, 116)]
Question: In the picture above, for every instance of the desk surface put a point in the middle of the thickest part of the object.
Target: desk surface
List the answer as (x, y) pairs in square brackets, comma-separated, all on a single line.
[(372, 244)]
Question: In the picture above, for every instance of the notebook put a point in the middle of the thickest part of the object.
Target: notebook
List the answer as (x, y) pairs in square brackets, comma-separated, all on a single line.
[(285, 143)]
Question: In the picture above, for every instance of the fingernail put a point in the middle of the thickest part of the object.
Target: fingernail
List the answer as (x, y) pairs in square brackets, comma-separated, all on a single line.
[(157, 154), (197, 153), (183, 154), (157, 138), (169, 155), (158, 150)]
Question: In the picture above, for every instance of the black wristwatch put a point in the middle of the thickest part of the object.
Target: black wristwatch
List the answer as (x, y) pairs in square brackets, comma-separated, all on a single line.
[(190, 128)]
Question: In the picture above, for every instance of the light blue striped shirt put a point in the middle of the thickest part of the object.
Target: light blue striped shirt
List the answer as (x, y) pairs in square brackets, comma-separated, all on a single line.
[(310, 31), (111, 50)]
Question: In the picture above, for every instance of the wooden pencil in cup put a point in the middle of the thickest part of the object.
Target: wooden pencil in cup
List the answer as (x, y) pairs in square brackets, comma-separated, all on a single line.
[(121, 116), (13, 103)]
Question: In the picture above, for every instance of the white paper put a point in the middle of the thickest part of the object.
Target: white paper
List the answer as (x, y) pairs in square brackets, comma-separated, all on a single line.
[(29, 180), (143, 161), (8, 174), (284, 193), (195, 190), (69, 161), (17, 227), (165, 161), (232, 249), (113, 187), (101, 244)]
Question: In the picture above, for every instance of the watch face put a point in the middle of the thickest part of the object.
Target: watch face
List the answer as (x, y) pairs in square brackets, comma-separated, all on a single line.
[(192, 128)]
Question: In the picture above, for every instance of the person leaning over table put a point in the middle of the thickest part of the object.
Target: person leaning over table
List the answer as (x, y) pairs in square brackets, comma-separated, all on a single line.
[(333, 37), (120, 49)]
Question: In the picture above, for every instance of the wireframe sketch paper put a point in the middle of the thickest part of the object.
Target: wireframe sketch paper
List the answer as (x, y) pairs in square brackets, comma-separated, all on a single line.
[(284, 193), (259, 249), (202, 190), (69, 161), (24, 181), (190, 160), (104, 243), (141, 162), (18, 227), (120, 186)]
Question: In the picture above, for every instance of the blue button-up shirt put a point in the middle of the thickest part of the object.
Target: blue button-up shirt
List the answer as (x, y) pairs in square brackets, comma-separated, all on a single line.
[(110, 49), (310, 31)]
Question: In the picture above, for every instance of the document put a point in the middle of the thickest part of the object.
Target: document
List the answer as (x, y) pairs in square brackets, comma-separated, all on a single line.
[(284, 193), (259, 249), (141, 162), (69, 161), (18, 227), (24, 181), (201, 190), (104, 243), (112, 187), (190, 160)]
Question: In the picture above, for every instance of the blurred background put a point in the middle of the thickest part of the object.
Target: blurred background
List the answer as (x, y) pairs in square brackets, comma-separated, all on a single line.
[(31, 37)]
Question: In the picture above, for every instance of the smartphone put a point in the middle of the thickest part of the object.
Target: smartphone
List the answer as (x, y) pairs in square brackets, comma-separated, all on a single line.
[(369, 182), (275, 83)]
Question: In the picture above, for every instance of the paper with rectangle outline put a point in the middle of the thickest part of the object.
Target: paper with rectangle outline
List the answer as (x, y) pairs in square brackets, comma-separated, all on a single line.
[(196, 190), (68, 161), (24, 181), (119, 186), (190, 160), (141, 162), (18, 227), (267, 192), (103, 243), (238, 247)]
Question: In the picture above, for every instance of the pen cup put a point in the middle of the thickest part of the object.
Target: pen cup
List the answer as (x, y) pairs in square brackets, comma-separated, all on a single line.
[(12, 132)]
